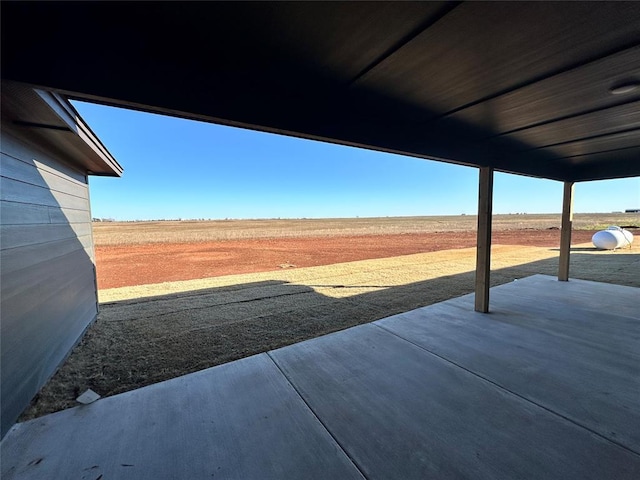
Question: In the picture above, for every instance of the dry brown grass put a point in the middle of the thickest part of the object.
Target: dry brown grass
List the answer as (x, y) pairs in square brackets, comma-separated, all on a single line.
[(133, 233)]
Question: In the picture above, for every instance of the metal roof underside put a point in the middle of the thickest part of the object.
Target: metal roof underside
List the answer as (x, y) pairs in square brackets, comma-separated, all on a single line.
[(523, 87)]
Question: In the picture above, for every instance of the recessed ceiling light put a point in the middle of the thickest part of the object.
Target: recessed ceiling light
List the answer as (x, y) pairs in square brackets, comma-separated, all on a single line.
[(625, 87)]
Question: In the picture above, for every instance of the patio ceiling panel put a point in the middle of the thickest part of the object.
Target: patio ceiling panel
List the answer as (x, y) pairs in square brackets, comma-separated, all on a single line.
[(584, 89), (481, 50), (484, 84)]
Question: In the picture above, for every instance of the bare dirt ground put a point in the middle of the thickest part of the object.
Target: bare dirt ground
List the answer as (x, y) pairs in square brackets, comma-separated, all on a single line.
[(128, 265), (166, 311)]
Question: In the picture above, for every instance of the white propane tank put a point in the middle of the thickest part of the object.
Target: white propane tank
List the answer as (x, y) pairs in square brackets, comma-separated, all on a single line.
[(612, 238)]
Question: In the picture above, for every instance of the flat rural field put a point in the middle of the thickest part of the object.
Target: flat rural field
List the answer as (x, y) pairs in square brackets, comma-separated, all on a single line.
[(137, 253), (197, 300)]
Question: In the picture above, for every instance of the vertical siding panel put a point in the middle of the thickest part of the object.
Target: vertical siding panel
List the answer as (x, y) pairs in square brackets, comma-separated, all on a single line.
[(48, 291)]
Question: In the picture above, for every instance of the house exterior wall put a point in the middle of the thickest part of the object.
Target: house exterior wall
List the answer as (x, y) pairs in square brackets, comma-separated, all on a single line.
[(47, 285)]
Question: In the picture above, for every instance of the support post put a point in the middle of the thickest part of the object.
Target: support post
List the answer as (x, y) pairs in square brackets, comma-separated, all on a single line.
[(565, 233), (483, 250)]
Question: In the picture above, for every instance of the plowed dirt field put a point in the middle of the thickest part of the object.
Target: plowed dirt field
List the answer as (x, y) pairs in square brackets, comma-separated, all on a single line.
[(129, 265)]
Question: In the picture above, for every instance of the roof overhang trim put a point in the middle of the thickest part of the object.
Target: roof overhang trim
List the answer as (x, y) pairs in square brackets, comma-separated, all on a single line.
[(51, 119)]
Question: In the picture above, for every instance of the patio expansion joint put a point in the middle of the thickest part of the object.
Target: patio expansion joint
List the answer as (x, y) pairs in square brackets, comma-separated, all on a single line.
[(342, 448), (511, 392)]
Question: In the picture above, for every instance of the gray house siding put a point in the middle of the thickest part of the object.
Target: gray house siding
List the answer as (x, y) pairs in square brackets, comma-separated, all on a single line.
[(47, 285)]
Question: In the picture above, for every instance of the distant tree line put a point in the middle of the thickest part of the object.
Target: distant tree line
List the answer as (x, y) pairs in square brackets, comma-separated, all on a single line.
[(99, 219)]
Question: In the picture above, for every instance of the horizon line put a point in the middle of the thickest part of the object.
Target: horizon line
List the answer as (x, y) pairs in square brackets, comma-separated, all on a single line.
[(226, 219)]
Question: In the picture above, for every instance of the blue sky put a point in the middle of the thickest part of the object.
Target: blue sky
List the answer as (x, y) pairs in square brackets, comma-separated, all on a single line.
[(176, 168)]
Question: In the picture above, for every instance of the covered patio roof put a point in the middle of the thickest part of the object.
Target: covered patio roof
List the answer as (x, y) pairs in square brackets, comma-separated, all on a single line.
[(543, 89)]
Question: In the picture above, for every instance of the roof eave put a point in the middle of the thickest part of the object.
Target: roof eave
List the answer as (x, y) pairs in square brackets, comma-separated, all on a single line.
[(68, 114), (48, 118)]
